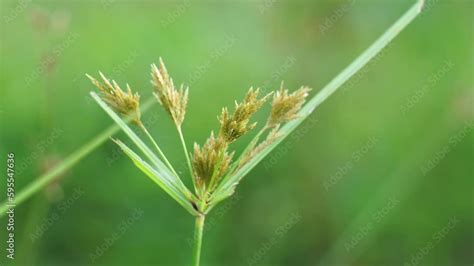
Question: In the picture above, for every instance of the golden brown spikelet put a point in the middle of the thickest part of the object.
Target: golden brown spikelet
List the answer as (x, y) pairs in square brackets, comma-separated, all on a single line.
[(174, 101), (205, 160), (285, 106), (234, 126), (125, 103)]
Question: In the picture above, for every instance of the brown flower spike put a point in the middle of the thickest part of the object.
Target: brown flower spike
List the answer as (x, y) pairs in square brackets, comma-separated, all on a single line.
[(174, 101), (235, 125), (286, 106), (125, 103), (211, 161)]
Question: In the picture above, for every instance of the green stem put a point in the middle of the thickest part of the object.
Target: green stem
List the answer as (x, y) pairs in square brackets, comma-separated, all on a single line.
[(188, 161), (40, 182), (158, 149), (198, 230)]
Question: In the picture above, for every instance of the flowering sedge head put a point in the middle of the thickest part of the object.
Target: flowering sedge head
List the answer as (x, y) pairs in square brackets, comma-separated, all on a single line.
[(174, 101), (125, 103)]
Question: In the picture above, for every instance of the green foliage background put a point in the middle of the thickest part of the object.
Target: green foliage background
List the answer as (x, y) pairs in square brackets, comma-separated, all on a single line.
[(353, 186)]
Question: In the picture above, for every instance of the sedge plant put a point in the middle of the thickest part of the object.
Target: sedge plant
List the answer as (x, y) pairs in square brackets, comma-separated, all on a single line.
[(75, 157), (214, 168)]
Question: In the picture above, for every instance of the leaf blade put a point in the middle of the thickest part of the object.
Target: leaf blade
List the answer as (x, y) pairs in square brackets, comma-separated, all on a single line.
[(226, 188), (157, 178)]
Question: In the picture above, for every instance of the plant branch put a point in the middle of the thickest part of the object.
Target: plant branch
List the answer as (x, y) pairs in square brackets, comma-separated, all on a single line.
[(188, 161)]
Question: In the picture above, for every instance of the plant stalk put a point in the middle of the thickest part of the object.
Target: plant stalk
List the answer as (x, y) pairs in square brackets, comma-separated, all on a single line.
[(198, 230), (188, 161), (40, 182)]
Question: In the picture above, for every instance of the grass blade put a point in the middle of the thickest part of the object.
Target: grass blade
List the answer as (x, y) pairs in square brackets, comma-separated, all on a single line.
[(158, 178), (226, 188)]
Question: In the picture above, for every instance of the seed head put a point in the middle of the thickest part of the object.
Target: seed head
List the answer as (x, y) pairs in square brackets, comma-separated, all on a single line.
[(234, 126), (174, 101), (125, 103), (205, 160), (286, 106)]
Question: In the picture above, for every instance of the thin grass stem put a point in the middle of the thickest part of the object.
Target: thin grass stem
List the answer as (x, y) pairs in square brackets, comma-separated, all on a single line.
[(40, 182), (188, 160), (198, 230)]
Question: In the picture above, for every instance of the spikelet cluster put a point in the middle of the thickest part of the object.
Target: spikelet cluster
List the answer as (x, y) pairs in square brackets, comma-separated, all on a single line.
[(285, 106), (210, 160), (174, 101), (126, 102), (234, 126)]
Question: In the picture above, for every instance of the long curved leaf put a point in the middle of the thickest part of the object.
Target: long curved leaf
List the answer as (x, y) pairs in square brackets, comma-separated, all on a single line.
[(226, 188), (157, 178)]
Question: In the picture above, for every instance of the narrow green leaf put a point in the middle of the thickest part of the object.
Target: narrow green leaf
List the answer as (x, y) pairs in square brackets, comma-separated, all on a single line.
[(156, 177), (162, 169), (226, 188)]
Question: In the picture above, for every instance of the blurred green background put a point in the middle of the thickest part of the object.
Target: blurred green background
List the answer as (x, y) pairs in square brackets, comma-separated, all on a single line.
[(380, 174)]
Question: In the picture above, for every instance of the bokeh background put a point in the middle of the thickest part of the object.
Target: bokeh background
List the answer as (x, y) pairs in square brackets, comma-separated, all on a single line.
[(380, 174)]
